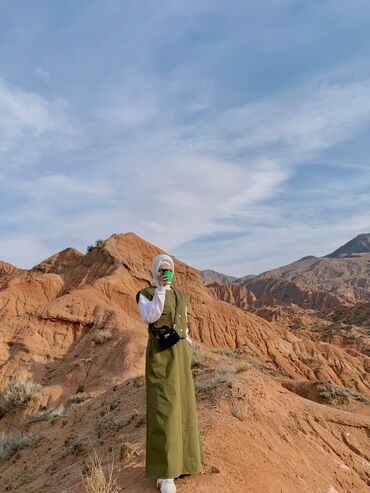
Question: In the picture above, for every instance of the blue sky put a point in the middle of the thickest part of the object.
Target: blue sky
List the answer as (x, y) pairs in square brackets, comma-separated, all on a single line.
[(234, 135)]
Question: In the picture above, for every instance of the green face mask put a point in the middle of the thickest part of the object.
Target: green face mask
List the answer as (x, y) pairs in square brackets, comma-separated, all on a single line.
[(168, 274)]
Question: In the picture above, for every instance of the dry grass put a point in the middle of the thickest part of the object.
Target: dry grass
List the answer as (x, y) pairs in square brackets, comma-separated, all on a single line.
[(126, 450), (79, 398), (47, 414), (82, 361), (223, 351), (221, 378), (10, 444), (242, 362), (243, 365), (199, 357), (74, 445), (337, 393), (95, 479), (103, 336), (16, 394)]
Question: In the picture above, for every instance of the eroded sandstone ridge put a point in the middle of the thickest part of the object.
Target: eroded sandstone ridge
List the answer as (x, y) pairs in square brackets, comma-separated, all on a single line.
[(51, 318)]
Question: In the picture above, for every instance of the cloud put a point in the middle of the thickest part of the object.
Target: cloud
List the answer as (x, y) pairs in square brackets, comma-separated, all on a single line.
[(31, 125), (293, 125), (128, 113), (187, 139), (184, 190), (266, 247), (133, 104), (180, 199), (63, 188), (205, 193), (44, 74)]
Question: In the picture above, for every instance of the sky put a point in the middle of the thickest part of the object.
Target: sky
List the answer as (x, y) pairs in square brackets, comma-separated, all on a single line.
[(233, 135)]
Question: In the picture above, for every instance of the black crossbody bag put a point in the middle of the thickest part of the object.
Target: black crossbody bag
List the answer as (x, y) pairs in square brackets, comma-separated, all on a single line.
[(165, 335)]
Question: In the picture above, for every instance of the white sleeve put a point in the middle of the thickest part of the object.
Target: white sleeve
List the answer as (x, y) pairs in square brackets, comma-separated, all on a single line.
[(187, 328), (150, 311)]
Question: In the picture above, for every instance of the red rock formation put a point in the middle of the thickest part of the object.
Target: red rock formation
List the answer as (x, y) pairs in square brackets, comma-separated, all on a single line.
[(50, 316)]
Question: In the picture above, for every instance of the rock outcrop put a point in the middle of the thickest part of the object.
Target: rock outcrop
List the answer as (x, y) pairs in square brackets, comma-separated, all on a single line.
[(50, 318)]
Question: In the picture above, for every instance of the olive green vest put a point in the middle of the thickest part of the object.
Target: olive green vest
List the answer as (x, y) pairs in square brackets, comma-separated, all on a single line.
[(168, 313)]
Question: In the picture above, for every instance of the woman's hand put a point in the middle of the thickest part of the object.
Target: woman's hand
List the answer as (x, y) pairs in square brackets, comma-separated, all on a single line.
[(162, 279)]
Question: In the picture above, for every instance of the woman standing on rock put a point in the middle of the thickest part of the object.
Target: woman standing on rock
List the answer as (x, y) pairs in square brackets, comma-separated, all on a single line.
[(173, 442)]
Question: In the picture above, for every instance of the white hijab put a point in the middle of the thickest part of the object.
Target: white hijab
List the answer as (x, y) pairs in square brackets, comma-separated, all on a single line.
[(157, 261)]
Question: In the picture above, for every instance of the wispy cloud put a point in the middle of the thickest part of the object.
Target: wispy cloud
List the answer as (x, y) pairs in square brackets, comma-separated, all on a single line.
[(134, 103), (204, 193), (193, 195), (203, 139), (294, 124), (265, 247), (64, 188), (127, 114), (30, 124), (44, 74)]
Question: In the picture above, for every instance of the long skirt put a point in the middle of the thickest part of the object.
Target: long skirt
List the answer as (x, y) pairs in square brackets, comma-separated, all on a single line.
[(173, 442)]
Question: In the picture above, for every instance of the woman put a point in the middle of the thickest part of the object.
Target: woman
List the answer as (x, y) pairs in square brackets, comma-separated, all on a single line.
[(173, 442)]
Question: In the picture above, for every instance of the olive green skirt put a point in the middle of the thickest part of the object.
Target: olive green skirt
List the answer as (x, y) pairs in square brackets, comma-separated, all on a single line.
[(173, 442)]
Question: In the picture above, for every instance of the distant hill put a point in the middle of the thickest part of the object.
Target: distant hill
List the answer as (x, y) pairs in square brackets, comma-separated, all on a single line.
[(341, 277), (210, 276), (359, 244)]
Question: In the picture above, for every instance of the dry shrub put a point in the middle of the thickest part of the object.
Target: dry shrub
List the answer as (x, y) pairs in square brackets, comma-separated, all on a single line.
[(79, 398), (95, 480), (337, 393), (199, 358), (223, 351), (16, 394), (243, 365), (103, 336), (126, 450), (10, 444), (47, 414), (220, 378)]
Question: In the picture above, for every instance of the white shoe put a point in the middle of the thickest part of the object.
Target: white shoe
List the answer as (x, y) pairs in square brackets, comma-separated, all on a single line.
[(166, 485)]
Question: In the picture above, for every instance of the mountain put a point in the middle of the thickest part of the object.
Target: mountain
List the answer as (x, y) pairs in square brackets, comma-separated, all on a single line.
[(359, 244), (339, 278), (209, 276), (262, 388), (239, 296), (322, 298), (342, 277)]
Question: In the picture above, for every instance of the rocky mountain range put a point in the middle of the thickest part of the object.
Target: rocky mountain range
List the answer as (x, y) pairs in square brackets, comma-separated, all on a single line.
[(328, 298), (339, 278), (272, 384)]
